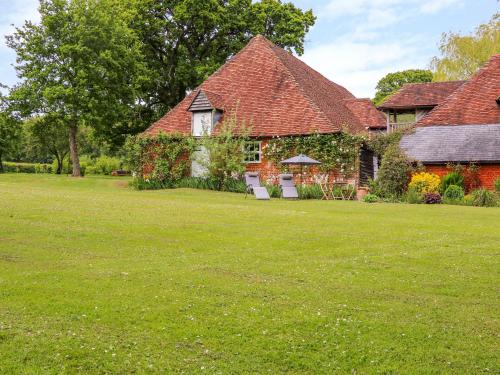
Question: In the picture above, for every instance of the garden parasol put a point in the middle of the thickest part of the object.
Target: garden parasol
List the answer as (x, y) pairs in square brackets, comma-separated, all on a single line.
[(300, 160)]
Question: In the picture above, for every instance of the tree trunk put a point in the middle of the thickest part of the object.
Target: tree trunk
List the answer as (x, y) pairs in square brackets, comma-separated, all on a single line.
[(73, 149), (1, 163), (59, 164)]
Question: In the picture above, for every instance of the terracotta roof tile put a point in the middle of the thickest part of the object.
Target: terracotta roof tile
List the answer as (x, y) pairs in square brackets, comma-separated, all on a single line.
[(474, 103), (366, 112), (413, 95), (275, 93)]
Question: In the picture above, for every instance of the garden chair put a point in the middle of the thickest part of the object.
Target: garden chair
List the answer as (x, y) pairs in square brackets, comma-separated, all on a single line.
[(287, 186), (252, 182)]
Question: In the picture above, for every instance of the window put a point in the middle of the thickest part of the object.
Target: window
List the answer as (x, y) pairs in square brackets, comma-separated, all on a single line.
[(202, 123), (253, 152)]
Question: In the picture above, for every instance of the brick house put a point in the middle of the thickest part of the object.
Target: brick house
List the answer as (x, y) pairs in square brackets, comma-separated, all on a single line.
[(463, 128), (278, 95), (413, 101)]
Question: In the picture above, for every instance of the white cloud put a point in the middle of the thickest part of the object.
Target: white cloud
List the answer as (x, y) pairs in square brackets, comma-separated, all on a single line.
[(434, 6), (359, 66)]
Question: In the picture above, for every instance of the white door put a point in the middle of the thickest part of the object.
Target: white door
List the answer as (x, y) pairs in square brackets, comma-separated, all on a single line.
[(198, 164)]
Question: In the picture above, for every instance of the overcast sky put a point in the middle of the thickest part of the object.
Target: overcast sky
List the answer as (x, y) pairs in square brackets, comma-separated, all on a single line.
[(354, 42)]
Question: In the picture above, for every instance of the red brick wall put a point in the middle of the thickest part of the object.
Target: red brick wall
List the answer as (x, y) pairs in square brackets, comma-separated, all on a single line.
[(487, 173), (269, 172)]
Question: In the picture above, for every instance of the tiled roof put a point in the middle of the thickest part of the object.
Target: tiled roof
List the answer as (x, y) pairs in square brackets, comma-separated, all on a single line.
[(475, 102), (453, 143), (273, 92), (414, 95), (366, 112)]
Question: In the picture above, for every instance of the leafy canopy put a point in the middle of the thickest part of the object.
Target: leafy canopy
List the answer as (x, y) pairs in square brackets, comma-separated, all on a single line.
[(463, 55), (392, 82), (185, 41)]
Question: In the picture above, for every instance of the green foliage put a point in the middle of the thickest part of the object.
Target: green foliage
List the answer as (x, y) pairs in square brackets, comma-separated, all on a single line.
[(392, 82), (10, 132), (463, 55), (371, 198), (81, 65), (453, 194), (452, 178), (312, 191), (335, 151), (10, 167), (413, 196), (103, 165), (497, 185), (483, 198), (224, 158), (230, 185), (160, 161), (185, 41), (379, 143), (393, 175), (47, 135)]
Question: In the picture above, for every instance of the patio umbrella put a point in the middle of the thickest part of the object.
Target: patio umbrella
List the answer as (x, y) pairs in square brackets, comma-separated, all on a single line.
[(300, 160)]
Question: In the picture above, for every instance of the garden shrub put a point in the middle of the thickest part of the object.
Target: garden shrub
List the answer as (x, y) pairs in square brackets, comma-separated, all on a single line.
[(453, 178), (371, 198), (497, 185), (392, 178), (12, 167), (432, 198), (468, 200), (483, 198), (274, 191), (104, 165), (413, 196), (425, 182), (159, 161), (208, 183), (312, 191), (453, 194)]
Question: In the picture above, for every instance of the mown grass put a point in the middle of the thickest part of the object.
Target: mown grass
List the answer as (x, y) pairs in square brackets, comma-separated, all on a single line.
[(97, 278)]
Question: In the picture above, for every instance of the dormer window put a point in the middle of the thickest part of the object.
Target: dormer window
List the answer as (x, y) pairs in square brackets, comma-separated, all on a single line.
[(206, 111)]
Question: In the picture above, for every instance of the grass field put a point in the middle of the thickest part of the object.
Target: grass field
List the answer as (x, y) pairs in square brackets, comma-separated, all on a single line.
[(97, 278)]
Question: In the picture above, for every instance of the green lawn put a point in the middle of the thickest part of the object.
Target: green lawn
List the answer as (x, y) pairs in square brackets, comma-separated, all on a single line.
[(97, 278)]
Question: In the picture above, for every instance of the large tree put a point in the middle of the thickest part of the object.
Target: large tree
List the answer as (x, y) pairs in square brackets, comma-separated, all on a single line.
[(187, 40), (462, 55), (10, 132), (45, 135), (81, 65), (393, 81)]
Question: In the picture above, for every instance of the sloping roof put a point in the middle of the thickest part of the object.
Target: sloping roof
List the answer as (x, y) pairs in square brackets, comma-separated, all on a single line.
[(462, 143), (473, 103), (414, 95), (366, 112), (272, 91)]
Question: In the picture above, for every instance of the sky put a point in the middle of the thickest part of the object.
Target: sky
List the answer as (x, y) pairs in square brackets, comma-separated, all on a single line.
[(353, 43)]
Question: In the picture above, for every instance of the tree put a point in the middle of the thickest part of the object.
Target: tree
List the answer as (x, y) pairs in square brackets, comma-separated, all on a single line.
[(462, 56), (81, 65), (392, 82), (10, 130), (185, 41), (44, 135), (224, 157)]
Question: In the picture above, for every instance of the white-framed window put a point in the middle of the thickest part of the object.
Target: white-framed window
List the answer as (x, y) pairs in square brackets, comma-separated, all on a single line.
[(202, 123), (253, 151)]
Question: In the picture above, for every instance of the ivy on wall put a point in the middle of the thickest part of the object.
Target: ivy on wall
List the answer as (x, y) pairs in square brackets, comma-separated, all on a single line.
[(159, 161), (337, 151)]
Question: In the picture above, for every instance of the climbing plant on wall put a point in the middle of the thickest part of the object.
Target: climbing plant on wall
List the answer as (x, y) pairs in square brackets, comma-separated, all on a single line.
[(337, 151), (159, 161)]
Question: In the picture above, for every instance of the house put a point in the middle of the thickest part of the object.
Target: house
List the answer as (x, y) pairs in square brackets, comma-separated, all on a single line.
[(277, 95), (413, 101), (463, 128)]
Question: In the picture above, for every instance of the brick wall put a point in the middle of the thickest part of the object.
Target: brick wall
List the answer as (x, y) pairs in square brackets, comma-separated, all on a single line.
[(269, 172), (487, 173)]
